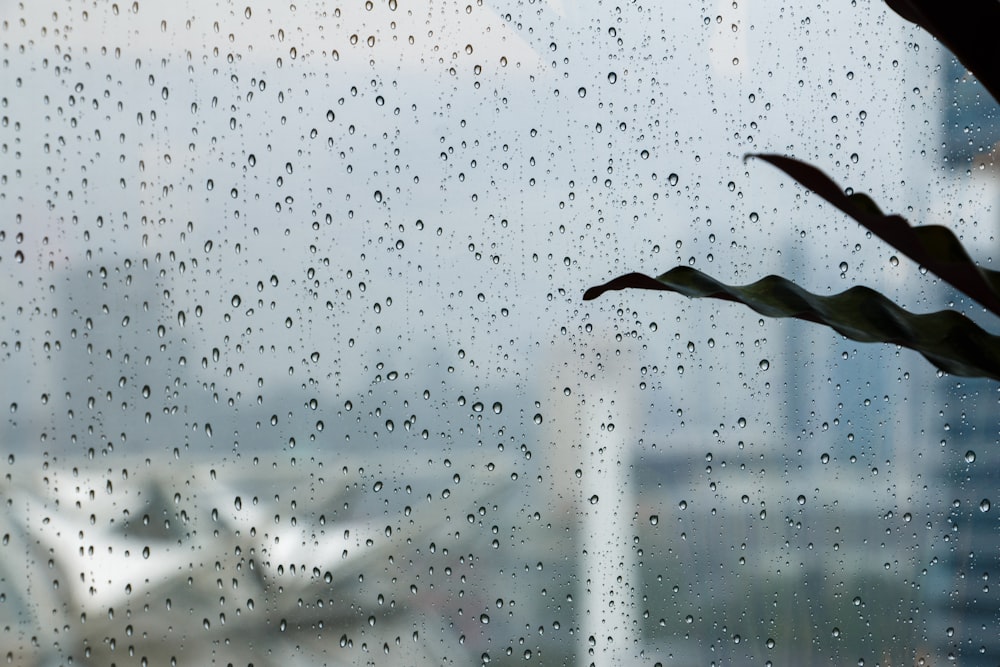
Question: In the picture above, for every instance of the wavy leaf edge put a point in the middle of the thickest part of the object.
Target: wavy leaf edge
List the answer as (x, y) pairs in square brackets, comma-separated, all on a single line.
[(946, 338), (933, 246)]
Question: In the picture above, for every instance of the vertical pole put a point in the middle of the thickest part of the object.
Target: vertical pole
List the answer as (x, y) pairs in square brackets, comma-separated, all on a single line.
[(607, 569)]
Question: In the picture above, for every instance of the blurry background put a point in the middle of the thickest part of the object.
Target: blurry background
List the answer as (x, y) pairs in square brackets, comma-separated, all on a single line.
[(296, 368)]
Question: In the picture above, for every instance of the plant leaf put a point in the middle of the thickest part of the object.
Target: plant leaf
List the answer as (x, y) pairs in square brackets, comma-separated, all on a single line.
[(933, 246), (947, 339), (968, 28)]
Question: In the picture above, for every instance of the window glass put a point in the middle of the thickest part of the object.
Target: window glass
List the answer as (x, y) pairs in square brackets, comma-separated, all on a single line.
[(297, 370)]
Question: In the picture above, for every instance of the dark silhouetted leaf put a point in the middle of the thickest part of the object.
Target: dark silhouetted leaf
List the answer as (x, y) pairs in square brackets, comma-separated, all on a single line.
[(968, 28), (948, 339), (933, 246)]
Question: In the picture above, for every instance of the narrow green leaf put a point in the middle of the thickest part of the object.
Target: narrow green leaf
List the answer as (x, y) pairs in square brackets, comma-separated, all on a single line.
[(933, 246), (947, 339)]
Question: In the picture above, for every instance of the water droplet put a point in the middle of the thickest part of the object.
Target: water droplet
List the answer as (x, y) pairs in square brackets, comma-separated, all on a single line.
[(854, 158), (484, 619), (764, 364), (582, 92), (594, 499), (970, 456), (801, 500), (537, 419), (741, 422), (654, 519), (843, 267), (824, 458), (498, 407), (672, 179), (612, 77), (984, 505)]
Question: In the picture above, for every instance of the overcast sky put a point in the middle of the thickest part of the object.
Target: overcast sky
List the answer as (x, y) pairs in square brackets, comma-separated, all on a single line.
[(446, 179)]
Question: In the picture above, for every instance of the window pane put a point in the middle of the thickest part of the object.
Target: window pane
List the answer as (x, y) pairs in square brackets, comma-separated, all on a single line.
[(297, 368)]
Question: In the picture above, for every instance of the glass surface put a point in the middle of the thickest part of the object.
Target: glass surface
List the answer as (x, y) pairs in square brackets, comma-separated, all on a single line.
[(296, 368)]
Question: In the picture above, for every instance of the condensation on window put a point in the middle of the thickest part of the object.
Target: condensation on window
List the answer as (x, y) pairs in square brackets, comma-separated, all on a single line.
[(296, 368)]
